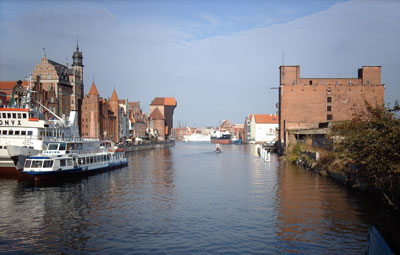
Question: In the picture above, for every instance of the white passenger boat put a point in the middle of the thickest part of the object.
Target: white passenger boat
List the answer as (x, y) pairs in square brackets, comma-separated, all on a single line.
[(74, 158), (196, 138), (24, 130)]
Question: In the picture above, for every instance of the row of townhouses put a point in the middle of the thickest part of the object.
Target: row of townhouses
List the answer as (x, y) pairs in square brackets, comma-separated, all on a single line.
[(60, 89)]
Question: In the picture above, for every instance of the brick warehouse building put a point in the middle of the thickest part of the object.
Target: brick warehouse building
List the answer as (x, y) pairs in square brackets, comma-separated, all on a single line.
[(161, 113), (306, 103)]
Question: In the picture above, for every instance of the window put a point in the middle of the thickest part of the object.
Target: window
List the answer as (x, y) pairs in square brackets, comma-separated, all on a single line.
[(4, 132), (48, 76), (323, 82), (4, 115), (17, 132), (30, 132), (329, 108), (329, 117), (367, 82), (310, 82), (62, 146), (19, 115), (63, 162), (337, 82), (37, 163), (329, 99), (10, 132), (24, 115), (329, 90), (9, 115), (27, 163), (350, 82), (48, 164), (14, 115), (293, 82), (23, 132)]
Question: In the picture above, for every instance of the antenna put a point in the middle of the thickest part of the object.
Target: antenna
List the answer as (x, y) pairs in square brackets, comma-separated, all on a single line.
[(283, 62), (44, 52)]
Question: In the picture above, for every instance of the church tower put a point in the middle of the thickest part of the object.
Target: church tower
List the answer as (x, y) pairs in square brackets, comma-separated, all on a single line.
[(76, 79), (114, 104)]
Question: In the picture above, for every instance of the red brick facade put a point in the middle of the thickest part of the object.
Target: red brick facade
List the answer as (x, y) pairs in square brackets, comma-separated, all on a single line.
[(98, 120), (305, 102), (161, 113)]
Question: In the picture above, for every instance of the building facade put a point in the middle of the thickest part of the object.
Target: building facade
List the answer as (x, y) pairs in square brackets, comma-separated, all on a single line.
[(61, 87), (98, 120), (304, 103), (161, 113)]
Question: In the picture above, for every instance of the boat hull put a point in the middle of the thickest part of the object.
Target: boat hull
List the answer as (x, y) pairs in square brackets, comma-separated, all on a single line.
[(221, 140), (73, 172)]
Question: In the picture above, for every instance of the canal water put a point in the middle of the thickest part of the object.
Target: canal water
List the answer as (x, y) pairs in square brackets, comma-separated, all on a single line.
[(186, 199)]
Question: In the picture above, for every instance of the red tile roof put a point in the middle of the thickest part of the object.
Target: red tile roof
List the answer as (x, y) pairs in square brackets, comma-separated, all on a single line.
[(134, 105), (157, 115), (114, 96), (266, 118), (7, 86), (163, 101), (93, 90)]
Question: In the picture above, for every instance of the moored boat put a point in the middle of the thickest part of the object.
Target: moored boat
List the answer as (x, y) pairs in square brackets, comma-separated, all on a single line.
[(74, 158), (224, 139), (25, 131)]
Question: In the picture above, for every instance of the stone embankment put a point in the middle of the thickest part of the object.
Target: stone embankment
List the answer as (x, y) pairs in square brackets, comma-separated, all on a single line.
[(309, 160), (147, 146)]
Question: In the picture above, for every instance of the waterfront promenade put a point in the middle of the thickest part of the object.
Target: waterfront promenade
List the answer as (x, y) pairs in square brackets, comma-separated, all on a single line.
[(187, 199)]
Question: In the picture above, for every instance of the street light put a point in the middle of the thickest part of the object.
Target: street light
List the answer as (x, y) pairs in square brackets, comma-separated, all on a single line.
[(279, 124)]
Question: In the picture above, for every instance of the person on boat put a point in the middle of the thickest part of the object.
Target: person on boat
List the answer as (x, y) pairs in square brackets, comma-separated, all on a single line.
[(218, 148)]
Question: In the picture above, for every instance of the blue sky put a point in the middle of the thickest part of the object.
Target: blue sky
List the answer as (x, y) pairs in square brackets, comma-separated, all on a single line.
[(217, 58)]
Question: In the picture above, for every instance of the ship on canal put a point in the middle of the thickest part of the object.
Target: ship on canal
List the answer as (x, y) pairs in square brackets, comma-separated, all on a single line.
[(224, 139), (24, 130), (64, 159)]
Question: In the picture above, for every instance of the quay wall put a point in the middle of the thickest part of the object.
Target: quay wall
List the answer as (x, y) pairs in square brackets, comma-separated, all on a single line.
[(149, 146)]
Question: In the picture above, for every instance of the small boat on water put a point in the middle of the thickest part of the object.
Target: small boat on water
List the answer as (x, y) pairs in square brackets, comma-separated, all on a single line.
[(62, 159), (218, 148)]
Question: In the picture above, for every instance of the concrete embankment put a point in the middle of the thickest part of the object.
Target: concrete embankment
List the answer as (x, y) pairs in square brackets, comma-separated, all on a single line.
[(147, 146)]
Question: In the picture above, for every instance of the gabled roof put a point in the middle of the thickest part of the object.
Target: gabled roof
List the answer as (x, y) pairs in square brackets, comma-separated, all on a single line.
[(114, 96), (266, 118), (134, 105), (93, 90), (164, 101), (226, 123), (157, 115)]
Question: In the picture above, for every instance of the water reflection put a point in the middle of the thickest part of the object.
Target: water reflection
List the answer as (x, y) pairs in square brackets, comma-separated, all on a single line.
[(315, 214), (183, 200)]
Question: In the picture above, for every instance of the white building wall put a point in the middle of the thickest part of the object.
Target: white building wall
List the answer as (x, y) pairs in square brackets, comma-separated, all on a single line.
[(265, 133), (252, 129)]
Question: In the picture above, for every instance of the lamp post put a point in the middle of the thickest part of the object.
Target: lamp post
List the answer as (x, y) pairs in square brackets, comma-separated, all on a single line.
[(279, 124)]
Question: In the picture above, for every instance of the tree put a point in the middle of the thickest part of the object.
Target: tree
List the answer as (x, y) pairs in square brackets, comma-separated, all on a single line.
[(371, 140)]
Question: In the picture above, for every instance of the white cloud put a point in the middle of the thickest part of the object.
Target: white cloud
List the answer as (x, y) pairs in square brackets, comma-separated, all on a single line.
[(220, 77)]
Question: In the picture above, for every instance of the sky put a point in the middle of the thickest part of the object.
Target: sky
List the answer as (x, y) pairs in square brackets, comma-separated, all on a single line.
[(218, 58)]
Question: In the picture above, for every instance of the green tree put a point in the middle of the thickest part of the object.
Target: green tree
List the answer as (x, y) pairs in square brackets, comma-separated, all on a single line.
[(371, 140)]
